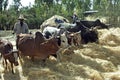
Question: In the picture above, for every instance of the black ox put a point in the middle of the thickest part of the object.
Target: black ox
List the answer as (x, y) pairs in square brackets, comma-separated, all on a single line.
[(97, 23), (87, 34)]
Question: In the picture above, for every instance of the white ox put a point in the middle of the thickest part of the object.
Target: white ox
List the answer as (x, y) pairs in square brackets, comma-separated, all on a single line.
[(58, 33)]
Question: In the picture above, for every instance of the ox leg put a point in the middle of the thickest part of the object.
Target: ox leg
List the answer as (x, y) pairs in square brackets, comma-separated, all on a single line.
[(32, 58), (59, 54), (2, 76), (43, 62), (3, 63), (6, 66), (19, 56), (12, 68)]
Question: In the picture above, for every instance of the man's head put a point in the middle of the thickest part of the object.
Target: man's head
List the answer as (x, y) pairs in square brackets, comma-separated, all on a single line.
[(21, 18)]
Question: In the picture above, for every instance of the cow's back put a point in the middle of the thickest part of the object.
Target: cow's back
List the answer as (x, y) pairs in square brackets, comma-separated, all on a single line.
[(28, 46)]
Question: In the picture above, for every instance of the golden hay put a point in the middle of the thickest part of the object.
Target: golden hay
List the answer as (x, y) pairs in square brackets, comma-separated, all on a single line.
[(109, 37), (96, 76), (90, 62), (112, 75)]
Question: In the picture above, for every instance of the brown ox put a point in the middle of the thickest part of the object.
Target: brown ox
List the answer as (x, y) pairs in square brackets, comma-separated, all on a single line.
[(6, 50), (74, 38), (37, 46)]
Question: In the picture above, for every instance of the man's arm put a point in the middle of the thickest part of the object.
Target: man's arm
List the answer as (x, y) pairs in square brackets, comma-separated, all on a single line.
[(15, 28)]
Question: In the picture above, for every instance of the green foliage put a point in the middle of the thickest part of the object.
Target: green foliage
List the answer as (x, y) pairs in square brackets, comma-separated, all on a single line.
[(109, 9), (44, 9), (3, 5)]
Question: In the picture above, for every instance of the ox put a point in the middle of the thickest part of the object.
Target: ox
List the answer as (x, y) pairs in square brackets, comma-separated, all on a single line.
[(37, 46), (50, 31), (64, 37), (74, 38), (97, 23), (6, 50), (59, 34), (87, 35), (89, 24)]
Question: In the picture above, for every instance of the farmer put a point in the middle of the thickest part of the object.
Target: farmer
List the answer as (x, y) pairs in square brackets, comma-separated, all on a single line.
[(21, 26), (74, 17)]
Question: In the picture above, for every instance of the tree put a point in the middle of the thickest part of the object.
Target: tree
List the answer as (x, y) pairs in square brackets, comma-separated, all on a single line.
[(16, 5), (3, 5)]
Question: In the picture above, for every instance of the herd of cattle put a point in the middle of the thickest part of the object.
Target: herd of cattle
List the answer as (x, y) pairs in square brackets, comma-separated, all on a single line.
[(50, 41)]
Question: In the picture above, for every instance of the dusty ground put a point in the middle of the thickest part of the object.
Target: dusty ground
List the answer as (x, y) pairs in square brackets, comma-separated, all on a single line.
[(90, 62)]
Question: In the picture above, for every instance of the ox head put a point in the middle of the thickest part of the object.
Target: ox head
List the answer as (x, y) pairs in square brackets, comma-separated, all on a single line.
[(74, 38), (90, 35), (12, 57), (62, 40), (100, 24), (6, 49)]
